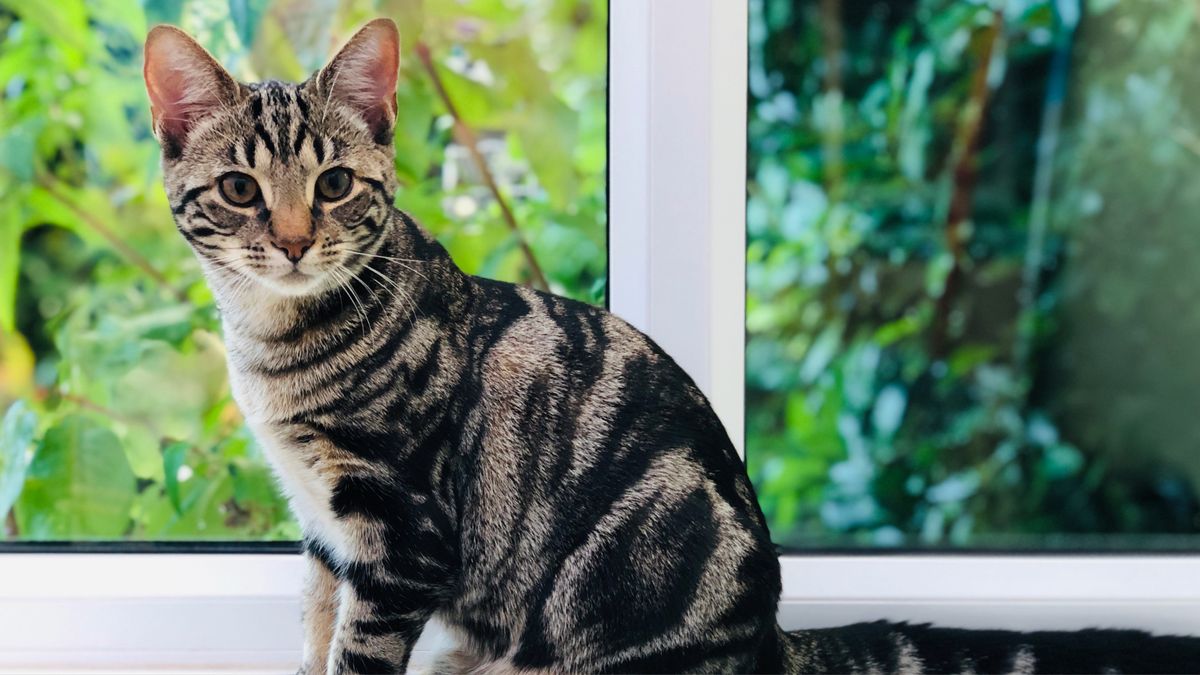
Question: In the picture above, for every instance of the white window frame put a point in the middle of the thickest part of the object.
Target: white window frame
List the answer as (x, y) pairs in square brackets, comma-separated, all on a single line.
[(677, 242), (677, 239)]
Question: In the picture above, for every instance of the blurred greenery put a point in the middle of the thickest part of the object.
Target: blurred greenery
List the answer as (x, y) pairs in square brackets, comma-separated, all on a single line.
[(972, 272), (118, 422)]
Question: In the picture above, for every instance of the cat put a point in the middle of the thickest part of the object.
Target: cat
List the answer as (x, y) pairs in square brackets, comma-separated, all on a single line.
[(532, 471)]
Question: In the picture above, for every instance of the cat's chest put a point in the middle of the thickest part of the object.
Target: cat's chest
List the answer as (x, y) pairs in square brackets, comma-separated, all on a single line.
[(296, 457), (306, 482)]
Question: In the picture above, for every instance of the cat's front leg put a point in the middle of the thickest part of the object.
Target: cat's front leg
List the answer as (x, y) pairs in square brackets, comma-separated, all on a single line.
[(374, 633), (319, 610)]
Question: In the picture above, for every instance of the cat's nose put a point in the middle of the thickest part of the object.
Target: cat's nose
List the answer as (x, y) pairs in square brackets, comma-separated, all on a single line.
[(291, 229), (294, 249)]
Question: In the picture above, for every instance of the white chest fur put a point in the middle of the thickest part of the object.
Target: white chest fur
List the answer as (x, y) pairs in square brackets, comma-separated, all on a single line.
[(297, 466)]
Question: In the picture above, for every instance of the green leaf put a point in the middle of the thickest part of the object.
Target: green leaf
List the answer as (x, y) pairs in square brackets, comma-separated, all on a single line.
[(475, 102), (79, 485), (66, 20), (16, 435), (173, 456), (414, 119), (915, 135), (549, 135), (130, 16), (889, 410), (143, 452), (11, 228), (17, 149), (253, 485)]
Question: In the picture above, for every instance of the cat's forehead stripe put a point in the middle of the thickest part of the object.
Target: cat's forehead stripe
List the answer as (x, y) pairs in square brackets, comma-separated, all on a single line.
[(278, 112), (248, 151), (298, 144)]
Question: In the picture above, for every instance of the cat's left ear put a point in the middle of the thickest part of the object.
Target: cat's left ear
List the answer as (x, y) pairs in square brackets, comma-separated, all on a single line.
[(363, 76)]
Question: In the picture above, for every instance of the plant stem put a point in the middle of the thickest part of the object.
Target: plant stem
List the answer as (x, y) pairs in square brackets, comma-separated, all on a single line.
[(832, 41), (43, 393), (964, 172), (464, 135), (51, 187)]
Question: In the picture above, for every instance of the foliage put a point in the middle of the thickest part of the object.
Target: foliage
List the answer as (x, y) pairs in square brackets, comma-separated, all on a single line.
[(119, 421), (970, 286)]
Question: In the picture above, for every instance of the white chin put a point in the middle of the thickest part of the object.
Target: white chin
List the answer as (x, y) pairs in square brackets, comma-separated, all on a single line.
[(292, 283)]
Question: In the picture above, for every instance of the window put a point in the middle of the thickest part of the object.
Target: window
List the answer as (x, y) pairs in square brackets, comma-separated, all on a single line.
[(678, 242), (678, 251), (968, 274), (119, 422)]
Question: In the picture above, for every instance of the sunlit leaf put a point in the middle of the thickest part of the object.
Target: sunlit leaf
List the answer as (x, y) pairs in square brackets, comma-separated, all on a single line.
[(11, 227), (172, 459), (16, 437), (549, 134), (78, 485)]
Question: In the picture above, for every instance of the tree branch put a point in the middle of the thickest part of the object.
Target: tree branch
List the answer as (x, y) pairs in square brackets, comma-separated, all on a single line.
[(466, 137), (42, 394), (833, 44), (51, 187), (964, 172)]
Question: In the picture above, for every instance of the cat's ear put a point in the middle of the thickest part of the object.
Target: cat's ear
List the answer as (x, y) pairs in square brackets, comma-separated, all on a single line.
[(363, 76), (185, 83)]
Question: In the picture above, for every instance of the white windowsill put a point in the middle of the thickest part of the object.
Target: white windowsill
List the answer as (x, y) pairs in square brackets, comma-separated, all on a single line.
[(240, 613)]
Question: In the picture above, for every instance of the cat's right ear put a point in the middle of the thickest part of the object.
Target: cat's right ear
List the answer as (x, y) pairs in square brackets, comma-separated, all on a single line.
[(185, 83)]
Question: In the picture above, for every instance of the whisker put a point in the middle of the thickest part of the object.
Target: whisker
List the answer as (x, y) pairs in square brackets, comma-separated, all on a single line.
[(341, 279), (370, 291), (385, 257), (376, 255), (405, 296), (402, 261)]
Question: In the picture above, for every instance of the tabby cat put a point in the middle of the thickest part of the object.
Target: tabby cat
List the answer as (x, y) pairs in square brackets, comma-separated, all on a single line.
[(531, 470)]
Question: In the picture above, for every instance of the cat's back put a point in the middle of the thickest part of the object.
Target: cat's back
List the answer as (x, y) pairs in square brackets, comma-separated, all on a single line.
[(523, 337), (573, 389), (595, 464)]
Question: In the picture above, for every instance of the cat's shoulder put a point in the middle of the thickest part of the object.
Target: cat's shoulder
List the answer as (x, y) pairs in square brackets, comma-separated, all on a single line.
[(535, 314), (532, 333)]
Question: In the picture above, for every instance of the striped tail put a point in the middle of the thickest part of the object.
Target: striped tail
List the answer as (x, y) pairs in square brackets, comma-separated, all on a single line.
[(882, 647)]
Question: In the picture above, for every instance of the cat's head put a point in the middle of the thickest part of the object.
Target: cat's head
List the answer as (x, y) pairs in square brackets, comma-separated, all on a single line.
[(288, 186)]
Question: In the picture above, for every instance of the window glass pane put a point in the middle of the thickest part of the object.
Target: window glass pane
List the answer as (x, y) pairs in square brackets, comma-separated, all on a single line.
[(972, 273), (119, 423)]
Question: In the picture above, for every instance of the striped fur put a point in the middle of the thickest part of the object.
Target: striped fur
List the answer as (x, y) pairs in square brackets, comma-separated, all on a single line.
[(531, 470)]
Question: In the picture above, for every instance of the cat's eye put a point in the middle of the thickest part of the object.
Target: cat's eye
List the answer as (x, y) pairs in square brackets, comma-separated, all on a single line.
[(333, 184), (238, 189)]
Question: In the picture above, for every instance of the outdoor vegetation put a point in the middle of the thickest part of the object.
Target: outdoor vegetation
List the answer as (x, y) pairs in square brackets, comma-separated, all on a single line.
[(117, 418), (974, 272), (972, 269)]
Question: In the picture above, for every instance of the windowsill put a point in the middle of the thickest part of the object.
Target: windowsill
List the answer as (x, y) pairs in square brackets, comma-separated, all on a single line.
[(156, 612)]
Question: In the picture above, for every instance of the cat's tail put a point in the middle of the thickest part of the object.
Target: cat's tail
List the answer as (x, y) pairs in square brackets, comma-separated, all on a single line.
[(910, 648)]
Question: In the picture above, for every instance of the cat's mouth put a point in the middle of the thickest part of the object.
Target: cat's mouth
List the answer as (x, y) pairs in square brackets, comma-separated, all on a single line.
[(295, 276), (294, 282)]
